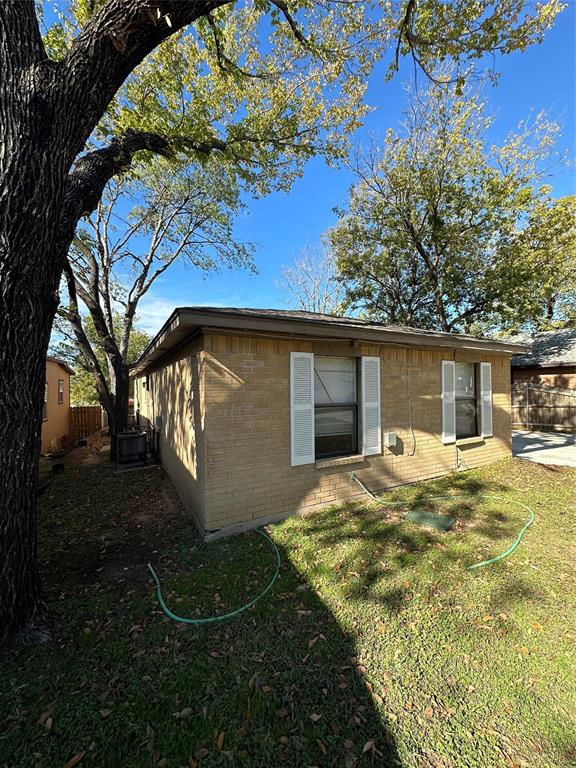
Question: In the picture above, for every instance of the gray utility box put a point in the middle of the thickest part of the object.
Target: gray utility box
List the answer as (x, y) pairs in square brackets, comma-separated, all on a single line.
[(131, 448)]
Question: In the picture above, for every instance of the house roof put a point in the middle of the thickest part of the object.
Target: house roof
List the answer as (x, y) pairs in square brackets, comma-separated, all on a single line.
[(57, 360), (546, 349), (187, 321)]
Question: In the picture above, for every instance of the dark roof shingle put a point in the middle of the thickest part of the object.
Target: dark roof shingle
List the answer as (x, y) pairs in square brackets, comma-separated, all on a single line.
[(547, 348)]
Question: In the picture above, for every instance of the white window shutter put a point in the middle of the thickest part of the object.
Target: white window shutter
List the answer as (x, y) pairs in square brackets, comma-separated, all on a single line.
[(371, 428), (301, 408), (486, 399), (448, 402)]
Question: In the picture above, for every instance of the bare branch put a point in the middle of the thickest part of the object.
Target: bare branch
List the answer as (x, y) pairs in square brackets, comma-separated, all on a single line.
[(283, 8)]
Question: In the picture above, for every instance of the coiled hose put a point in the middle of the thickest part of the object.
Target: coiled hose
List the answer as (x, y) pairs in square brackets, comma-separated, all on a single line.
[(481, 564), (222, 616)]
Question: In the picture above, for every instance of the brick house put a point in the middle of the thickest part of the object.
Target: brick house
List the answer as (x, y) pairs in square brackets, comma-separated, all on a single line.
[(265, 413), (550, 359)]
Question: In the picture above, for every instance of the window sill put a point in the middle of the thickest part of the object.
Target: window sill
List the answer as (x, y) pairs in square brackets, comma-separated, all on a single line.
[(339, 461), (470, 440)]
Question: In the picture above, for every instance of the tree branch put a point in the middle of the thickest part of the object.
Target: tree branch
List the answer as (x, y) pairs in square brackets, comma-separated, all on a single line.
[(20, 39), (225, 64), (283, 8), (91, 173), (115, 40), (75, 320)]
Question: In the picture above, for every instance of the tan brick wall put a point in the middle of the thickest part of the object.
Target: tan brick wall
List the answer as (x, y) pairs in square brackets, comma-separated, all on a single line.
[(247, 427), (175, 394)]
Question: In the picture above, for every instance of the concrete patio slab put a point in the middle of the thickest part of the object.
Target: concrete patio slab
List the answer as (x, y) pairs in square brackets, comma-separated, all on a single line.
[(545, 447)]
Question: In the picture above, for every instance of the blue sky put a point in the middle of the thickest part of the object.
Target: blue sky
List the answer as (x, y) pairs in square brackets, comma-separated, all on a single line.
[(543, 77)]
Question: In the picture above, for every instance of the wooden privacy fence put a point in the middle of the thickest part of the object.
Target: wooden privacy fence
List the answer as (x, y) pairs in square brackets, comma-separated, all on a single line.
[(543, 408), (84, 420)]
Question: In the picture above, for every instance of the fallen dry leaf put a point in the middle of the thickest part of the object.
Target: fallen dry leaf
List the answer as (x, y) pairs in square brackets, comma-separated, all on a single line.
[(186, 712), (47, 713), (75, 760), (315, 717)]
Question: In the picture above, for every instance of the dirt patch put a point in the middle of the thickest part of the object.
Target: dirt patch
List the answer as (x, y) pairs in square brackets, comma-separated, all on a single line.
[(97, 526)]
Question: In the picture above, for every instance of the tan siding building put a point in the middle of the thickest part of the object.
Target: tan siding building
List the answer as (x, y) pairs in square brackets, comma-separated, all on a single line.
[(265, 414), (56, 418)]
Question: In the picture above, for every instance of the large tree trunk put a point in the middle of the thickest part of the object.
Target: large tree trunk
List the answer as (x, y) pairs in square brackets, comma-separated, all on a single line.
[(47, 111), (121, 397), (118, 418), (30, 266), (24, 331), (31, 258)]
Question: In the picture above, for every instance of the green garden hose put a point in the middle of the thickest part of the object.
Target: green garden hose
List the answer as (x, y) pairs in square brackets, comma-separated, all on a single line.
[(502, 555), (223, 616)]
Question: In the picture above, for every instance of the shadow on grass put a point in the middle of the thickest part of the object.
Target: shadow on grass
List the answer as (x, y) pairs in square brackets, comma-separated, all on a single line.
[(280, 685), (372, 543)]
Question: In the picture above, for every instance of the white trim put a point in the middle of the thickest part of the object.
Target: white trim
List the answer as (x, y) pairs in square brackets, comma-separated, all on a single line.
[(487, 429), (371, 412), (448, 402), (302, 408)]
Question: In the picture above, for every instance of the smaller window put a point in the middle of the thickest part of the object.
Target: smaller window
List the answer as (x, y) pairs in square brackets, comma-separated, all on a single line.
[(45, 411), (60, 391)]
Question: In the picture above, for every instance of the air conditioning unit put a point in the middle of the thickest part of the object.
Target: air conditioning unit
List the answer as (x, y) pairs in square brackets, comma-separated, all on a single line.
[(131, 449)]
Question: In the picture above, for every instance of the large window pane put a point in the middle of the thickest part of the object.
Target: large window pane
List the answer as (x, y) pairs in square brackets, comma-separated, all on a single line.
[(334, 380), (466, 406), (465, 381), (466, 418), (336, 431)]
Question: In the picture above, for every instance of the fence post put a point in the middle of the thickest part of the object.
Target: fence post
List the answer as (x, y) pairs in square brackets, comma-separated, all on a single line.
[(527, 406)]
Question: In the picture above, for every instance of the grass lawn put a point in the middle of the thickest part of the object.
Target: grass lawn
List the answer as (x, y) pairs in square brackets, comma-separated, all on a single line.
[(375, 647)]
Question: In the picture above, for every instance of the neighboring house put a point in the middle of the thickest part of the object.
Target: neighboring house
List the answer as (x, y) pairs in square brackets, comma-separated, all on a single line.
[(56, 417), (550, 359), (264, 413)]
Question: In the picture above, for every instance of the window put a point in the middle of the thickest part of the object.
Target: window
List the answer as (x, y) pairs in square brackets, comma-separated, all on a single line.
[(335, 406), (60, 391), (466, 396), (45, 411)]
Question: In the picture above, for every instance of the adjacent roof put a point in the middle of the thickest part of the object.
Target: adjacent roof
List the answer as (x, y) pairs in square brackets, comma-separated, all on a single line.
[(61, 363), (186, 321), (546, 349)]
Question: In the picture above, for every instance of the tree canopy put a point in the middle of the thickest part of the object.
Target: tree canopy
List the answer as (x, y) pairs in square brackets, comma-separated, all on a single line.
[(545, 297), (429, 234), (268, 84)]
